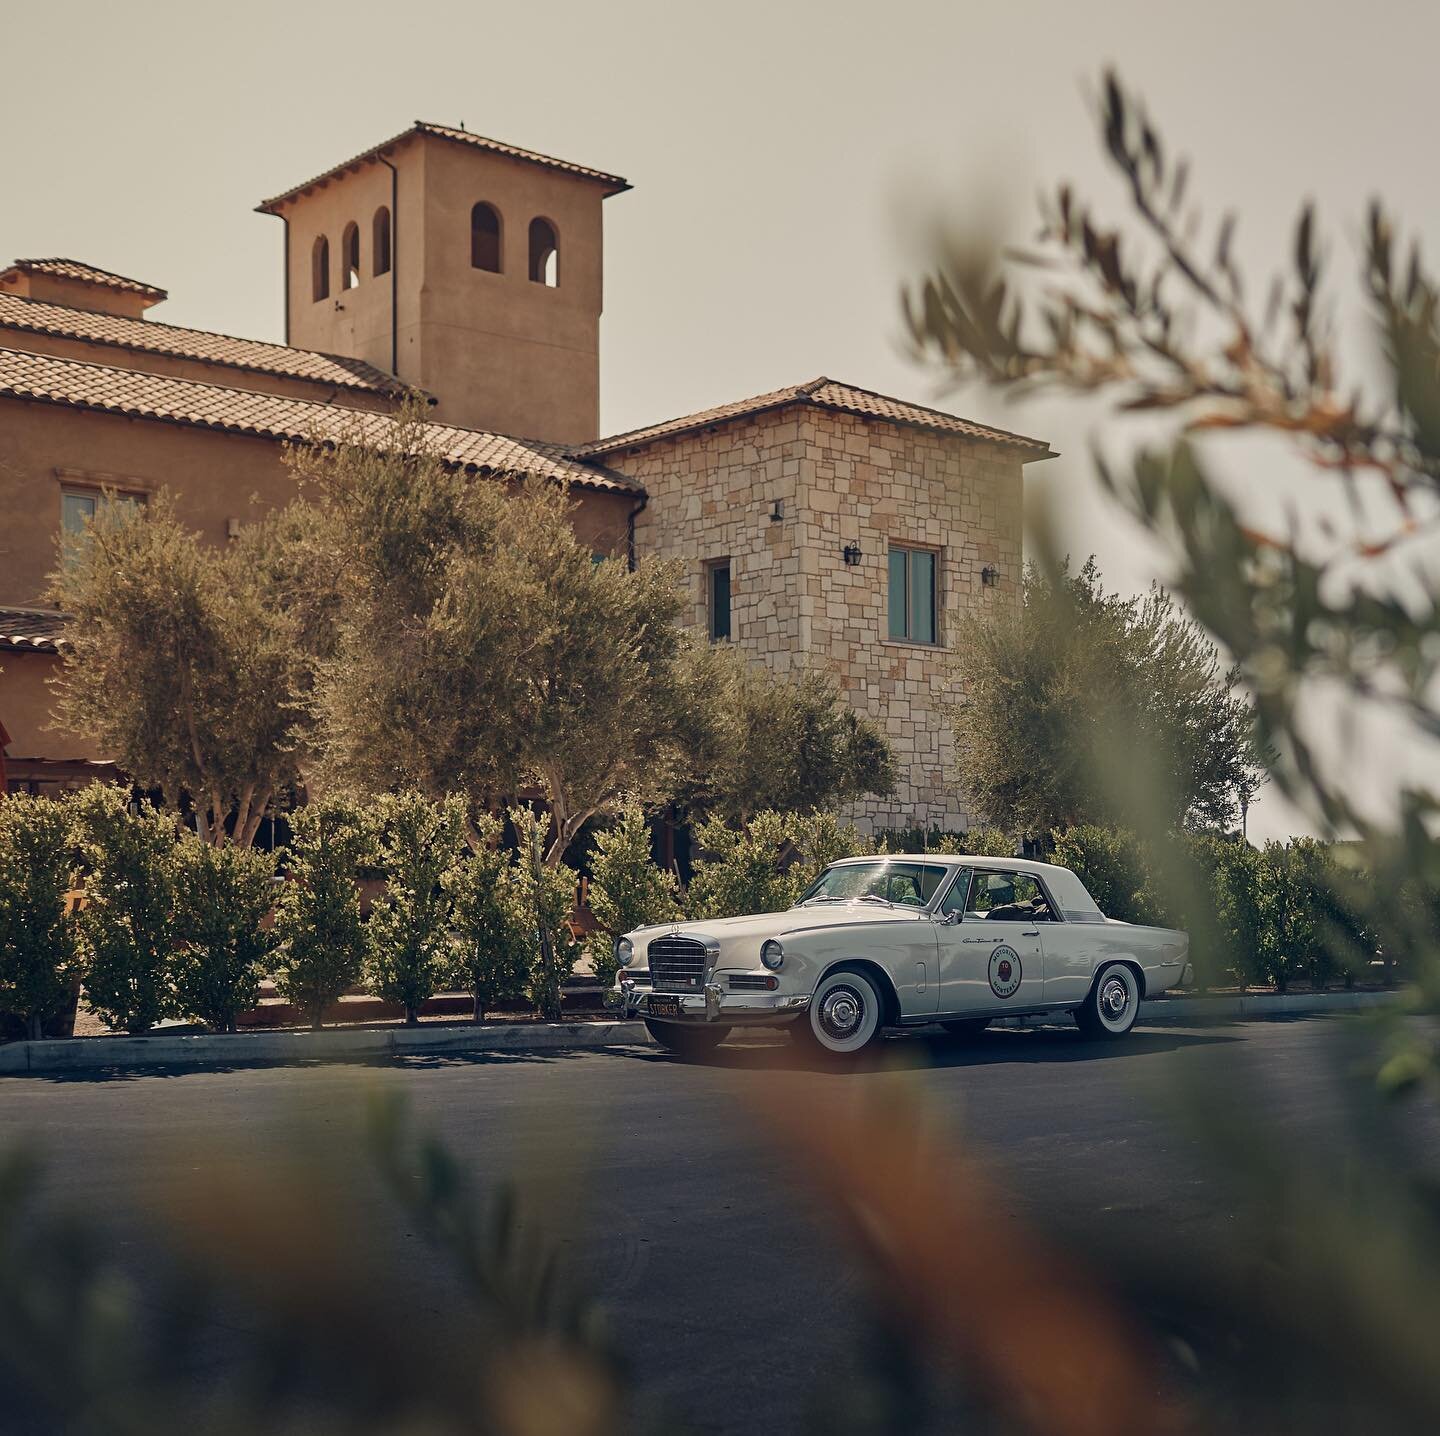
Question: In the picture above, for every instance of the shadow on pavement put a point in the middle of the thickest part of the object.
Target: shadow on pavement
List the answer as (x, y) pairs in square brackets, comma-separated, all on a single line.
[(417, 1061), (938, 1049)]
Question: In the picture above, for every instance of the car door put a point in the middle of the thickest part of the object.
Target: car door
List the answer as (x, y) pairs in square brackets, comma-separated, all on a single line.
[(990, 954)]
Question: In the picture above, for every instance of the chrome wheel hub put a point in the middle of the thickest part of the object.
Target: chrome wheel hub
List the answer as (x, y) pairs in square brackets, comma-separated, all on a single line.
[(842, 1010), (1114, 1000)]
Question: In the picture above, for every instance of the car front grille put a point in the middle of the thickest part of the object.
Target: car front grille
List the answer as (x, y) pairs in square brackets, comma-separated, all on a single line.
[(677, 964)]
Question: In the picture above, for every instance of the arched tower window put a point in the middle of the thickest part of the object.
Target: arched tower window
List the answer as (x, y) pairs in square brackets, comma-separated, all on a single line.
[(320, 268), (380, 241), (350, 256), (544, 253), (485, 238)]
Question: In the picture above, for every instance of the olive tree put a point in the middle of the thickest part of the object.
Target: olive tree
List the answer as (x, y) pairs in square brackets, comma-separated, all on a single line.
[(1032, 722), (39, 962), (183, 663), (481, 648), (787, 744)]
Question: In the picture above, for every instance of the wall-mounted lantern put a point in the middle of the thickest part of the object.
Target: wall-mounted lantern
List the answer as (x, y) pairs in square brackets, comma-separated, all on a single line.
[(990, 575), (851, 553)]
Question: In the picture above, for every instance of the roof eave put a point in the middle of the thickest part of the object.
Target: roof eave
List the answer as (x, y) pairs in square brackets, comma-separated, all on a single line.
[(613, 184), (1034, 449)]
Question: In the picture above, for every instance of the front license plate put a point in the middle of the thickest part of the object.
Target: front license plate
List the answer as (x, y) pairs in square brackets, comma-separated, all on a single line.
[(663, 1006)]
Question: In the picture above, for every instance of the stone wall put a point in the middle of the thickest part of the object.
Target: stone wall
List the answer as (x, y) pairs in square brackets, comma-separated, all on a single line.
[(843, 480), (711, 497)]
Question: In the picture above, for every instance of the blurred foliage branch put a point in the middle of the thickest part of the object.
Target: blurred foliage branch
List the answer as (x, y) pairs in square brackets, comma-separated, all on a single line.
[(1144, 314)]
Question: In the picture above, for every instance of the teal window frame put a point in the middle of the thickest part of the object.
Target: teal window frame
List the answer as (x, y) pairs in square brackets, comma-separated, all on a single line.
[(719, 619), (913, 595)]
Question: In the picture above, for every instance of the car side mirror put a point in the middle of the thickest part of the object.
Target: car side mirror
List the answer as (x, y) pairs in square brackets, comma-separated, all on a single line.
[(951, 918)]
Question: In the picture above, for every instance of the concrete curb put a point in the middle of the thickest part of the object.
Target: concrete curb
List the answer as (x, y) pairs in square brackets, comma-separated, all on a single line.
[(76, 1054), (332, 1045)]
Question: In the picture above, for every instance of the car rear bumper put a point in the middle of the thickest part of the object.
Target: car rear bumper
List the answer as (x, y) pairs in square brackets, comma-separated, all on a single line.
[(715, 1004)]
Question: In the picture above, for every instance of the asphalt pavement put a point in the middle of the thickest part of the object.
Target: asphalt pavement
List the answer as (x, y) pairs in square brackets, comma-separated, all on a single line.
[(724, 1275)]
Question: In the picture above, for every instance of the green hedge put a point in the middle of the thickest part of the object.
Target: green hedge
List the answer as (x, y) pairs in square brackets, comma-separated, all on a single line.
[(173, 928), (1255, 915)]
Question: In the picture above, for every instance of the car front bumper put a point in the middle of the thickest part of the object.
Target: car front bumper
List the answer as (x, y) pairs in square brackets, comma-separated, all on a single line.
[(716, 1004)]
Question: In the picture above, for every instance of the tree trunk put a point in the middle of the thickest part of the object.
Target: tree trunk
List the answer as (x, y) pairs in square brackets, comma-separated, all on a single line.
[(479, 1013), (36, 1026), (412, 1016), (246, 839), (242, 814)]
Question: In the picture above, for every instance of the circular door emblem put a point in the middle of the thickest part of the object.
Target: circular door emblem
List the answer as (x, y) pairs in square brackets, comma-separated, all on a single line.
[(1004, 971)]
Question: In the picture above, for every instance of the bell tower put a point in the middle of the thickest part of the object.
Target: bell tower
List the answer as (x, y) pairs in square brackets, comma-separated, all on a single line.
[(468, 268)]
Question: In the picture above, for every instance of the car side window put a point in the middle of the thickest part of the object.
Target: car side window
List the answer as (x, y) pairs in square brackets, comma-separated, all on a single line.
[(955, 898), (1006, 897)]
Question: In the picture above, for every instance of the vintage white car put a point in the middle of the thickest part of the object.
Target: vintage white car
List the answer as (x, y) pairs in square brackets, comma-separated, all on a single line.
[(901, 941)]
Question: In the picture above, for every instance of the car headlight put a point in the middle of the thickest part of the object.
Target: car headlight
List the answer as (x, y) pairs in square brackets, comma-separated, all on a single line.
[(772, 954), (624, 951)]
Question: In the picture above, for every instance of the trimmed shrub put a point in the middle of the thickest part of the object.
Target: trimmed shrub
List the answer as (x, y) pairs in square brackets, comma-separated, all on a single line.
[(1290, 934), (742, 873), (221, 898), (1112, 865), (979, 842), (408, 932), (818, 840), (546, 898), (320, 934), (39, 958), (627, 890), (490, 956), (127, 927)]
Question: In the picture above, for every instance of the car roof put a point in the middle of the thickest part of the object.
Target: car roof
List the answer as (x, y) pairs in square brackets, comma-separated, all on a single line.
[(960, 860)]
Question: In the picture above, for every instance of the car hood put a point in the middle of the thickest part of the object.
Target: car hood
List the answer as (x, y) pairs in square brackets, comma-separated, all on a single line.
[(759, 926)]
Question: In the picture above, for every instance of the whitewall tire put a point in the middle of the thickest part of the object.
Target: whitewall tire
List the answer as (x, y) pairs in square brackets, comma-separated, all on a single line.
[(846, 1013), (1113, 1004)]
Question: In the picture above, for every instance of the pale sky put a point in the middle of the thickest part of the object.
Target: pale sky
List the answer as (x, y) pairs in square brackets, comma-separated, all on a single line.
[(786, 159)]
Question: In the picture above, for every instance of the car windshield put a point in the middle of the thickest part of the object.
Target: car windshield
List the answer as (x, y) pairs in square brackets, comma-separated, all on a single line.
[(891, 880)]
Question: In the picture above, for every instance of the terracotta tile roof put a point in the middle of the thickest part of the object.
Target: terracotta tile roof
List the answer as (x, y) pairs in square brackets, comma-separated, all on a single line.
[(42, 378), (613, 183), (89, 273), (821, 393), (35, 316), (30, 628)]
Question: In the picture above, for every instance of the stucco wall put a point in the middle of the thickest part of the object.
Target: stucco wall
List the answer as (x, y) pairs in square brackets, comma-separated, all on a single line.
[(25, 703), (213, 478), (497, 351), (842, 480)]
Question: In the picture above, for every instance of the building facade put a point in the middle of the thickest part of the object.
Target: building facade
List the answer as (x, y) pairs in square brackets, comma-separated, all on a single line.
[(820, 525)]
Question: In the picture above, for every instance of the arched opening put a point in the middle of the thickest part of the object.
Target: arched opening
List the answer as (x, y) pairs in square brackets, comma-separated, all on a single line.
[(320, 268), (485, 238), (544, 253), (350, 256), (380, 241)]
